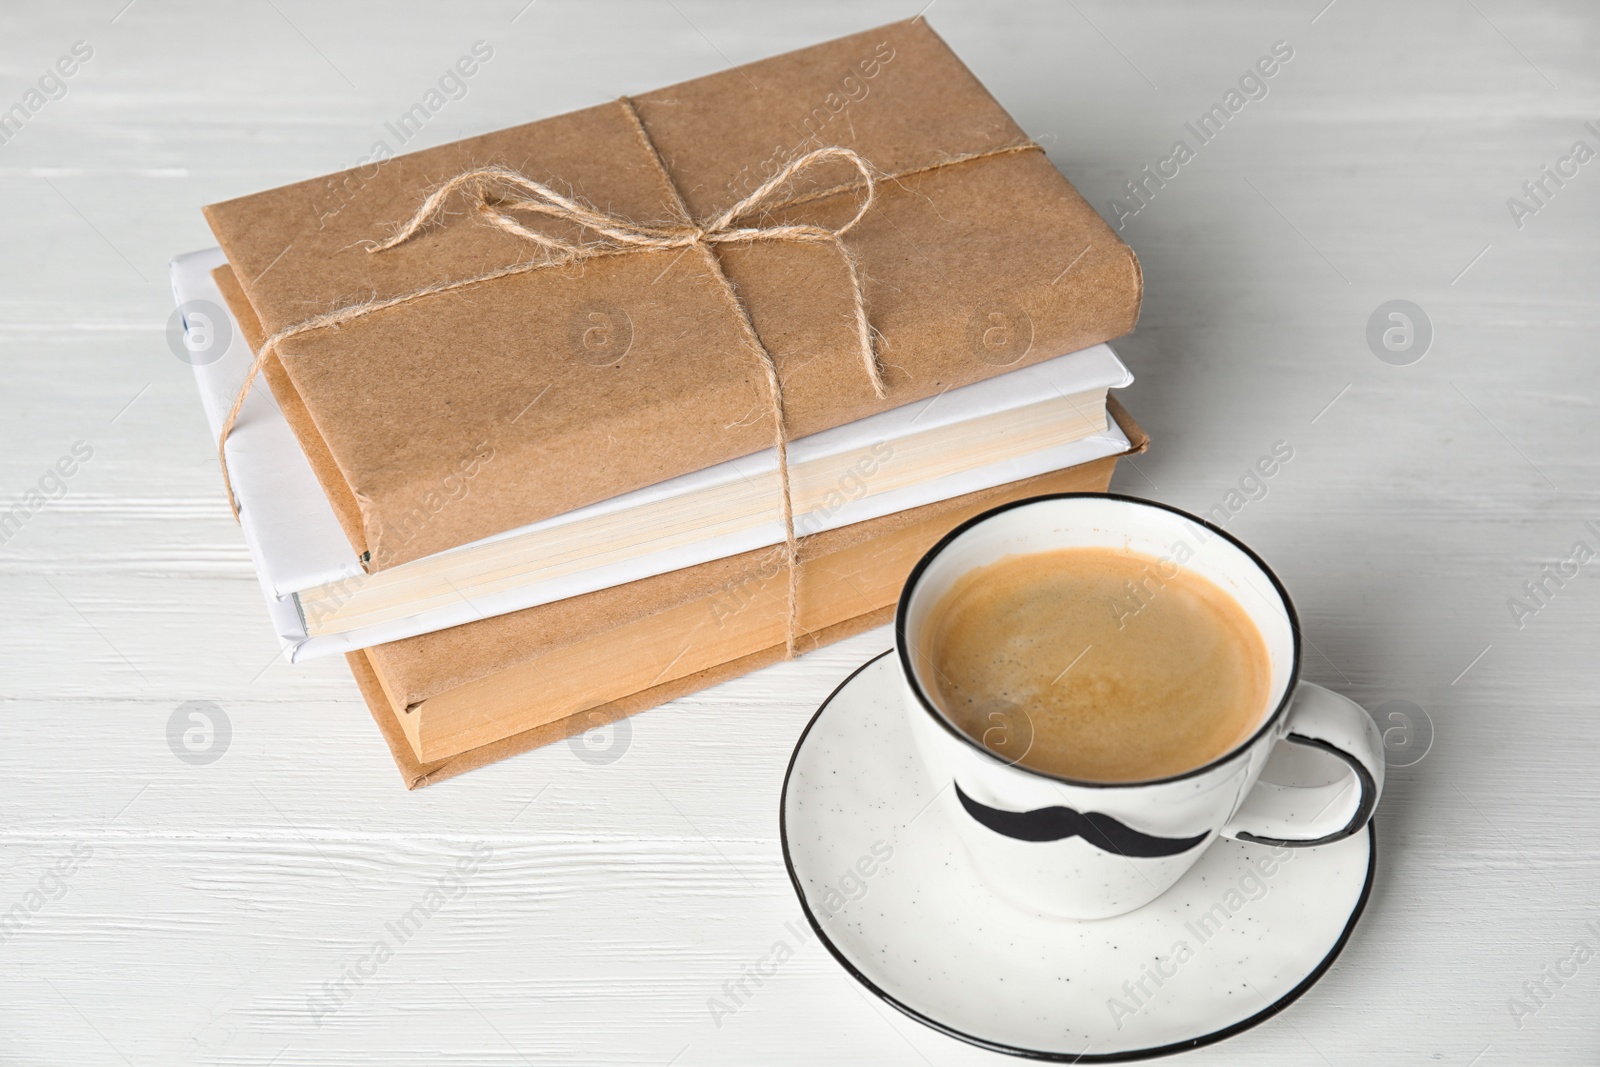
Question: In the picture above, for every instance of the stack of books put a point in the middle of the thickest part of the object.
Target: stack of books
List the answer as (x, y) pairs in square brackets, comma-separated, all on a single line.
[(526, 505)]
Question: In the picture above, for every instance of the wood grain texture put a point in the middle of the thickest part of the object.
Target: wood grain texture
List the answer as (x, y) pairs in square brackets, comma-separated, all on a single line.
[(218, 900)]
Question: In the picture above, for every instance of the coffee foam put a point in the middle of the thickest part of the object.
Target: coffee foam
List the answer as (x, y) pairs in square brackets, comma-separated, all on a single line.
[(1096, 664)]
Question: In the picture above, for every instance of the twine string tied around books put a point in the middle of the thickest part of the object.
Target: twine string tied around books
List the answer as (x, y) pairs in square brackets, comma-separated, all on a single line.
[(487, 189)]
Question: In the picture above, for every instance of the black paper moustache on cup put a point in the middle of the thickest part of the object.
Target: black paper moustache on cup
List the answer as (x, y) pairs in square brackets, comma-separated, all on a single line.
[(1105, 832)]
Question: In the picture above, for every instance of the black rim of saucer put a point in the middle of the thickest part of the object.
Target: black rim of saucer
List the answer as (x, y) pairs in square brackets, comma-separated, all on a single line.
[(1212, 1038)]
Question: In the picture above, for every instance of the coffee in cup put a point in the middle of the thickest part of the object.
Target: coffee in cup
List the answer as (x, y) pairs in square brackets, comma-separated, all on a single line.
[(1099, 664)]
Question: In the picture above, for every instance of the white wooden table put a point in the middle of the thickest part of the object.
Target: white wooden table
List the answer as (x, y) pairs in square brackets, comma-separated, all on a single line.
[(177, 913)]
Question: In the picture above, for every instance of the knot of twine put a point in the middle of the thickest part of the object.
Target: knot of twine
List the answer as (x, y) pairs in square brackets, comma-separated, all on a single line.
[(618, 235)]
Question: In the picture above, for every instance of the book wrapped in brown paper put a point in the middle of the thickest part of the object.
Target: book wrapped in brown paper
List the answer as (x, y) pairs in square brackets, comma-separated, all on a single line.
[(606, 372), (453, 700)]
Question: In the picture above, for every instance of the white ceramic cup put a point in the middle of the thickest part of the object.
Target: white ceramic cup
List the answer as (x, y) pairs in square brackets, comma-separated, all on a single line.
[(1086, 850)]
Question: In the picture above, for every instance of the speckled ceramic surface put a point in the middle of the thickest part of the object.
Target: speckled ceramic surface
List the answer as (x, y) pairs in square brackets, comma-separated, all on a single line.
[(891, 892)]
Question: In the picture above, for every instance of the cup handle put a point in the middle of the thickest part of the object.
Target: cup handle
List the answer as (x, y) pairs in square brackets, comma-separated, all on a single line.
[(1301, 815)]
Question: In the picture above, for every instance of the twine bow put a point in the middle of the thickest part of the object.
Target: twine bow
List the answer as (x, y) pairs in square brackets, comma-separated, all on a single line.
[(617, 236), (624, 235)]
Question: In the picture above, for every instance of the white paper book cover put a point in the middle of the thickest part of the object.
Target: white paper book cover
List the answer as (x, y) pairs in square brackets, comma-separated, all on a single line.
[(297, 543)]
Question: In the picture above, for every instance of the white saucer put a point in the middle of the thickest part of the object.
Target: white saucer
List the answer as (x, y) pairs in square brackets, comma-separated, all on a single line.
[(889, 890)]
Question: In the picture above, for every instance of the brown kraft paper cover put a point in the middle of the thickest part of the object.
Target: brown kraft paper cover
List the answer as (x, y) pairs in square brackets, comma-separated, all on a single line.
[(600, 377), (556, 674), (436, 662), (424, 666), (416, 774)]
